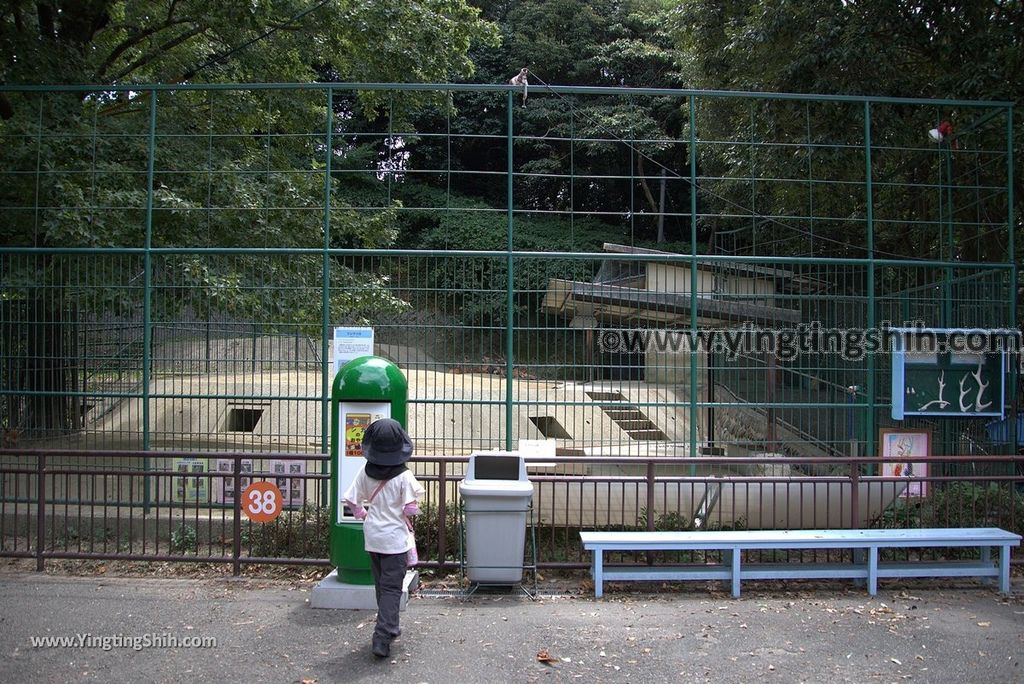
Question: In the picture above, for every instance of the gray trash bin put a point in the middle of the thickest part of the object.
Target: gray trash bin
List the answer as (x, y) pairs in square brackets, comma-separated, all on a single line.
[(496, 498)]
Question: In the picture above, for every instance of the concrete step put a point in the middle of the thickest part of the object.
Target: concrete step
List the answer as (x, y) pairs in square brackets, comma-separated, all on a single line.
[(641, 424), (647, 435), (624, 413)]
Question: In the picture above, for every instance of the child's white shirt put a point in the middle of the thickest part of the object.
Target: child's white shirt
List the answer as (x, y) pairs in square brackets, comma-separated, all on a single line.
[(384, 529)]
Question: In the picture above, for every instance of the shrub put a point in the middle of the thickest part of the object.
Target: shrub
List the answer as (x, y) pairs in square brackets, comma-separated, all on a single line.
[(184, 539), (303, 533), (426, 526)]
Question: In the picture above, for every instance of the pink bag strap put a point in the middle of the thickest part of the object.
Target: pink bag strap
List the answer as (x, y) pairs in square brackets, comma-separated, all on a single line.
[(377, 490)]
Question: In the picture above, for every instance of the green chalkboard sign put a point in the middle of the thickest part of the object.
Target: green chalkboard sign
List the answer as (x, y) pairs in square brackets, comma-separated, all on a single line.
[(930, 380)]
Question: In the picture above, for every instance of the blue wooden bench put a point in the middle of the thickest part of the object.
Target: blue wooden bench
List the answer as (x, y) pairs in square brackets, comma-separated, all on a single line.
[(865, 545)]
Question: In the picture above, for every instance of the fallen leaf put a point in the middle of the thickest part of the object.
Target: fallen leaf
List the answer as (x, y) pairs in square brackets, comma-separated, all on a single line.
[(546, 658), (895, 661), (984, 624)]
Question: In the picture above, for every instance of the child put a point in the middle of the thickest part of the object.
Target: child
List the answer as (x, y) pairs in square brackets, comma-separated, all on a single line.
[(383, 494)]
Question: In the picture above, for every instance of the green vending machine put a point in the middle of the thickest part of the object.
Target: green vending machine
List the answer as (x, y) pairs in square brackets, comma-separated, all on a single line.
[(365, 389)]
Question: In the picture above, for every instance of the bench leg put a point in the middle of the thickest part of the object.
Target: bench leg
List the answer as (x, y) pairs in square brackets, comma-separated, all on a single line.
[(1004, 569), (859, 558), (873, 570), (734, 561), (986, 559), (597, 570)]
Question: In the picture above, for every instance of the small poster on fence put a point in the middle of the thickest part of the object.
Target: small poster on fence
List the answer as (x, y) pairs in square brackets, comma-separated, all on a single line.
[(901, 448), (190, 483), (224, 487), (292, 488)]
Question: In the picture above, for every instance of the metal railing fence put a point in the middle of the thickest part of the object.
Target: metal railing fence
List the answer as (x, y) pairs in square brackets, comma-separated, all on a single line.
[(41, 518)]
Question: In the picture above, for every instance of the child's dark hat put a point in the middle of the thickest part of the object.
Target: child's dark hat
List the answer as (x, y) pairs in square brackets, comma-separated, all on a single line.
[(386, 443)]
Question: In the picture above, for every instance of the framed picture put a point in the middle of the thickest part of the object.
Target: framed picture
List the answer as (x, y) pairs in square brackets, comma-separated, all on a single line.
[(901, 447)]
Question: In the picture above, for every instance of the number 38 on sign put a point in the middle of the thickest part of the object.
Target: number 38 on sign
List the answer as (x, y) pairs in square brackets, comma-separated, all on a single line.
[(261, 501)]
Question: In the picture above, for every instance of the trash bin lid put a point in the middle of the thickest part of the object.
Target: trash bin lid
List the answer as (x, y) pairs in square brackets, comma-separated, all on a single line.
[(496, 465), (496, 488)]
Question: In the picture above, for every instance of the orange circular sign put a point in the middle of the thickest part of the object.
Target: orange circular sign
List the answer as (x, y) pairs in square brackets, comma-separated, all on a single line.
[(261, 501)]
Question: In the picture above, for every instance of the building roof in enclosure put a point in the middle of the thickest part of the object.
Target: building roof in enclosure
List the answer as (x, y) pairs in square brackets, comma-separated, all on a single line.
[(619, 294), (783, 278)]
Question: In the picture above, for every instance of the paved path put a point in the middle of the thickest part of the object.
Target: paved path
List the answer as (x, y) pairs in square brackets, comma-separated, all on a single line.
[(265, 632)]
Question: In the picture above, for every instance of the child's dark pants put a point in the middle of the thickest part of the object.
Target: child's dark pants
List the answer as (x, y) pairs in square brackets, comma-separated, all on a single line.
[(388, 575)]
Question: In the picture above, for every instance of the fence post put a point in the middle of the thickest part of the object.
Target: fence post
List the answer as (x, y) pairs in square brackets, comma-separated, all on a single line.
[(650, 496), (870, 422), (1011, 251), (236, 539), (509, 280), (325, 302), (40, 510), (650, 505), (442, 513), (147, 300), (854, 494), (694, 285)]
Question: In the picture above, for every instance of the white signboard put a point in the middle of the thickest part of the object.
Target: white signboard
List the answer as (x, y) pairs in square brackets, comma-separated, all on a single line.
[(351, 343), (354, 417), (538, 448)]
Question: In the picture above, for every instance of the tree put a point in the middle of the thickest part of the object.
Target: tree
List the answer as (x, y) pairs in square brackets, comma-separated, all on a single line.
[(572, 152), (902, 48), (233, 167)]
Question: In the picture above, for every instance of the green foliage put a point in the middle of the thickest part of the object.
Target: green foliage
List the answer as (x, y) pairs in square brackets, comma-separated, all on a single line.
[(959, 504), (900, 48), (669, 521), (184, 539), (92, 536), (480, 281), (570, 42), (426, 527), (304, 533), (232, 168), (275, 41)]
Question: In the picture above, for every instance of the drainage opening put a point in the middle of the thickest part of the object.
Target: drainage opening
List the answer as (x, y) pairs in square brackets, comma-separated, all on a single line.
[(243, 419), (606, 396), (550, 427)]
